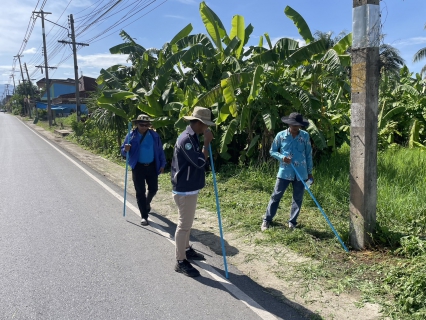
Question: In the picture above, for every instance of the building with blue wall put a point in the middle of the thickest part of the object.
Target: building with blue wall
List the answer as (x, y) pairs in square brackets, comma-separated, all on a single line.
[(57, 87), (62, 94)]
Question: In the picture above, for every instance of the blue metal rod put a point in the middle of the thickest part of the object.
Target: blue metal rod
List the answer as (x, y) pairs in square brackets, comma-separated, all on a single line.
[(129, 127), (218, 213), (319, 207)]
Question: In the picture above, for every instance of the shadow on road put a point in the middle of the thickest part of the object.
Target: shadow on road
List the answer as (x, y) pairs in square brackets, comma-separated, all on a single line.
[(273, 301)]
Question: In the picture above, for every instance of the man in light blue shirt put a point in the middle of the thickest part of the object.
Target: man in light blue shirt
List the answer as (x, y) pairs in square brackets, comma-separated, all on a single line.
[(290, 146)]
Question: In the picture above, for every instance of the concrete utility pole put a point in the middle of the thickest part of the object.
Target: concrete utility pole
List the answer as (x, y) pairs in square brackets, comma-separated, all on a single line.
[(46, 66), (365, 91), (74, 51), (13, 79), (30, 86), (26, 108)]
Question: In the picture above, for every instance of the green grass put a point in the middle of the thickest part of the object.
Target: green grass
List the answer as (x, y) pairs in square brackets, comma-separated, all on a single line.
[(401, 211)]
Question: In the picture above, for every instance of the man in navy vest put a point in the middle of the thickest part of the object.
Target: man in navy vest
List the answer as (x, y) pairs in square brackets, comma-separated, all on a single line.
[(147, 159), (188, 175)]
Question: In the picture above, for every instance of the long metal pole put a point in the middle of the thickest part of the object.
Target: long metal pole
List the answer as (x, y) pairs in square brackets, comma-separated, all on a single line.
[(218, 213), (129, 126), (320, 208)]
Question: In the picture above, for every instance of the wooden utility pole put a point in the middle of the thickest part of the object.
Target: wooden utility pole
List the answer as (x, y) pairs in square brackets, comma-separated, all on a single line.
[(46, 66), (365, 90), (74, 51)]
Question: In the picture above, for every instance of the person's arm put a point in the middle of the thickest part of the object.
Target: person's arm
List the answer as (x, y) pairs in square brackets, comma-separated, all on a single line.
[(161, 155), (195, 158), (275, 149), (125, 147), (208, 137)]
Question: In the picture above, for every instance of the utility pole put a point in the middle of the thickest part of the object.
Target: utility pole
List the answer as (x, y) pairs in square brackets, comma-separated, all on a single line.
[(26, 108), (13, 78), (74, 51), (49, 110), (364, 109), (30, 88)]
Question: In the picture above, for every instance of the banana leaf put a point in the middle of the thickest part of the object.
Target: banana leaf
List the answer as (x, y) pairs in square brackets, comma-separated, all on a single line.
[(300, 23), (227, 136)]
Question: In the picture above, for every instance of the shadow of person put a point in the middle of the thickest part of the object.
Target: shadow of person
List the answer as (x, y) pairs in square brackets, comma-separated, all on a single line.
[(260, 299), (207, 238)]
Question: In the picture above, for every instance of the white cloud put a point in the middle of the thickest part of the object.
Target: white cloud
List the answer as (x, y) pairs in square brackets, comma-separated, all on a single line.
[(102, 60), (175, 17), (31, 50), (410, 42), (188, 1)]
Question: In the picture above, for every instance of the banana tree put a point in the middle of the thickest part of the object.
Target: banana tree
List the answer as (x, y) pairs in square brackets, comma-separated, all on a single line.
[(402, 103)]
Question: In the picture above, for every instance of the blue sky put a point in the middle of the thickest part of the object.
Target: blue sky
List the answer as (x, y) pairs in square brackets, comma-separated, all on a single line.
[(403, 24)]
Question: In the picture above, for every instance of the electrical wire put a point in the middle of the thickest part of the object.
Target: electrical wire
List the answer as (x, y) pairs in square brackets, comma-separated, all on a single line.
[(97, 14)]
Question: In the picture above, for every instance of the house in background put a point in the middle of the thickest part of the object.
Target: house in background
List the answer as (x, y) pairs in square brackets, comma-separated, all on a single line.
[(62, 94)]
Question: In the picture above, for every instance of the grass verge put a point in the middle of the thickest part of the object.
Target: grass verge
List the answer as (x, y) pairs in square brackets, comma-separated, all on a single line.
[(391, 273)]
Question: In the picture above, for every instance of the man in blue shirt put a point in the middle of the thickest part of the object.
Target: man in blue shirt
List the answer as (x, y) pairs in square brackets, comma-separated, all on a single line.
[(290, 146), (147, 160), (188, 178)]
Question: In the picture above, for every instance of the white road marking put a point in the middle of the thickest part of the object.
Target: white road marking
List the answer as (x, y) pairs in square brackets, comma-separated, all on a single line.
[(244, 298)]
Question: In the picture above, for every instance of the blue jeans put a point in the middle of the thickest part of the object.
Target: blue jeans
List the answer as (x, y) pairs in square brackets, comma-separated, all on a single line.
[(280, 187)]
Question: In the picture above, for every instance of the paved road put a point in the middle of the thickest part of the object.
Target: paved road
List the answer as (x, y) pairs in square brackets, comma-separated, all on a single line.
[(66, 252)]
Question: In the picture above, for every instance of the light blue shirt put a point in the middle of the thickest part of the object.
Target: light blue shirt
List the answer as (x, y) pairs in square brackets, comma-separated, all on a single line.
[(146, 151), (300, 150)]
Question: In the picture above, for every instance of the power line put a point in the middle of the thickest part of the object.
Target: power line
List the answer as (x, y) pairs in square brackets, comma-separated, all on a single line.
[(97, 14)]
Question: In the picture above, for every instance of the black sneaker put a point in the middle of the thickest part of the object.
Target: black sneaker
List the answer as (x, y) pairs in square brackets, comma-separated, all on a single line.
[(191, 254), (187, 269)]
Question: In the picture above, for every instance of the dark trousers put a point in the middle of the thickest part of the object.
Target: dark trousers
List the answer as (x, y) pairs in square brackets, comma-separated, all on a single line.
[(280, 187), (140, 174)]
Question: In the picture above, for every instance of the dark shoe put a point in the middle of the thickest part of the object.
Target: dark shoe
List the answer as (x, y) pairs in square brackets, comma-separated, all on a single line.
[(291, 226), (265, 225), (191, 254), (144, 222), (187, 269)]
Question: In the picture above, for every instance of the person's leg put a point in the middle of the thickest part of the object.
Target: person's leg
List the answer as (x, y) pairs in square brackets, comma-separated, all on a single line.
[(280, 187), (152, 182), (186, 210), (298, 192), (138, 176)]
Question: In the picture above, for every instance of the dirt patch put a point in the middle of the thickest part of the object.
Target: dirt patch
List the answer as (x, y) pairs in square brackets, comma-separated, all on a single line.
[(258, 262)]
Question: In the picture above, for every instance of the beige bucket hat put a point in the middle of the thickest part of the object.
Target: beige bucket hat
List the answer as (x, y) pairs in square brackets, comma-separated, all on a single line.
[(202, 114), (141, 118)]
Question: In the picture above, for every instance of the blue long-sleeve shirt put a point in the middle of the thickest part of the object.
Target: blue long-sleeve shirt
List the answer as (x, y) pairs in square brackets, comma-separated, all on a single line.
[(134, 140), (300, 150)]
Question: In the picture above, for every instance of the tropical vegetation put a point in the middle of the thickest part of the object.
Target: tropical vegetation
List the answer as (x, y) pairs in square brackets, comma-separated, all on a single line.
[(248, 88)]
